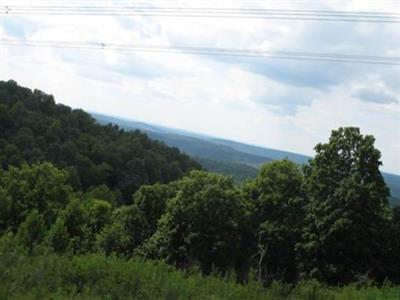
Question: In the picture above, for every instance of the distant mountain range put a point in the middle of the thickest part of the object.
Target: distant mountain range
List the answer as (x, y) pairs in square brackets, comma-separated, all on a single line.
[(224, 156)]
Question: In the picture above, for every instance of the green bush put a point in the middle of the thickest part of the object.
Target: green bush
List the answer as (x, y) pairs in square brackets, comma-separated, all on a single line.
[(95, 276)]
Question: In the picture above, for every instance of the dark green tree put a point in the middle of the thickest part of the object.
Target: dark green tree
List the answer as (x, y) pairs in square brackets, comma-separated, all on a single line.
[(57, 238), (125, 233), (102, 192), (31, 231), (33, 128), (346, 210), (202, 225), (134, 224), (151, 200), (40, 187), (278, 201), (390, 249)]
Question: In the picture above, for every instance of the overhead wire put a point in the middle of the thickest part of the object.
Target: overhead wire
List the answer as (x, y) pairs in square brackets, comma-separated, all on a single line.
[(67, 8), (188, 1), (206, 12), (291, 55)]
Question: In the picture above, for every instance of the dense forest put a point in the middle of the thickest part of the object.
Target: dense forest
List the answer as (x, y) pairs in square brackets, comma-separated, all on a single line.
[(33, 128), (88, 210), (239, 172)]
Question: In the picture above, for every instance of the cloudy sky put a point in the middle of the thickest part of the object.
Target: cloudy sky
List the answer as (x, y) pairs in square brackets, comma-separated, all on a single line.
[(282, 104)]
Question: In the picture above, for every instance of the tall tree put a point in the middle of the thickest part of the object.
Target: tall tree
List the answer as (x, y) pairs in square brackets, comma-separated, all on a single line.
[(278, 214), (150, 201), (202, 225), (390, 249), (346, 211)]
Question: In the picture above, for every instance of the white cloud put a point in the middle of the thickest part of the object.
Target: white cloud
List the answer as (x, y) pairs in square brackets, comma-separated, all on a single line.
[(288, 105)]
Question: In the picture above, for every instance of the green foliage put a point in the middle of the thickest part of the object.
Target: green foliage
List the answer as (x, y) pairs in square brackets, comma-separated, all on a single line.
[(31, 231), (227, 157), (239, 172), (64, 220), (132, 225), (202, 224), (57, 238), (202, 147), (278, 200), (126, 231), (78, 226), (95, 276), (205, 221), (347, 209), (390, 246), (33, 128), (151, 203), (103, 192), (98, 214), (39, 187)]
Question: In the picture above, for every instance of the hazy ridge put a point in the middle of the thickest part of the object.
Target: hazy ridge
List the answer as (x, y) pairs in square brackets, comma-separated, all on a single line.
[(219, 155)]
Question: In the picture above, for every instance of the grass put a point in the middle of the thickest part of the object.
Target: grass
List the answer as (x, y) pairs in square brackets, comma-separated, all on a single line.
[(95, 276)]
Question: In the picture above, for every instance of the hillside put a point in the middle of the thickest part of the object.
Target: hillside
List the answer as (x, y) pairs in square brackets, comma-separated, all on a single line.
[(239, 172), (264, 152), (34, 128), (393, 181), (194, 145), (84, 205), (223, 156), (201, 148)]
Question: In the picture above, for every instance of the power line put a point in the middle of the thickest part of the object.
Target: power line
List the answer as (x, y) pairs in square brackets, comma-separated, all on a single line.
[(290, 55), (180, 1), (226, 2), (157, 2), (204, 12), (206, 9)]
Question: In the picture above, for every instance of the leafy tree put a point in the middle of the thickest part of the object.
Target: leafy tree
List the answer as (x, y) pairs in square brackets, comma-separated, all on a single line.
[(389, 267), (39, 187), (5, 208), (34, 128), (132, 225), (98, 214), (76, 186), (31, 231), (114, 239), (78, 225), (57, 238), (75, 218), (348, 204), (278, 201), (125, 233), (202, 225), (151, 200), (102, 192)]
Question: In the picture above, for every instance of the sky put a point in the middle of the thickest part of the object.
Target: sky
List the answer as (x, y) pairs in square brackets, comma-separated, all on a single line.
[(283, 104)]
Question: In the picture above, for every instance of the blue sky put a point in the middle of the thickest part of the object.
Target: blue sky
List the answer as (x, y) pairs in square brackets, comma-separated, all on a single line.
[(289, 105)]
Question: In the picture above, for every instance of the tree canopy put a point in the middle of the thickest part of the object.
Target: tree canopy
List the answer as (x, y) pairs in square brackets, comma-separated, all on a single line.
[(34, 128), (71, 186), (346, 209)]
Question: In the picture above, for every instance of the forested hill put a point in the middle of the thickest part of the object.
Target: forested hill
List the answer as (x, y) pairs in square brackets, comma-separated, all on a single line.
[(263, 229), (34, 128), (239, 160), (196, 145)]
